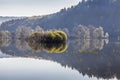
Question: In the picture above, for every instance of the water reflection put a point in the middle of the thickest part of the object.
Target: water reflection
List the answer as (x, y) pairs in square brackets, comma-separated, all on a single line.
[(104, 65), (49, 48), (21, 44), (55, 48), (88, 44), (24, 68), (80, 44), (4, 42)]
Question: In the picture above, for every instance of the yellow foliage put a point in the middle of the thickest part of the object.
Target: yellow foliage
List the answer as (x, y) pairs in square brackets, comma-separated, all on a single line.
[(63, 34), (56, 48), (50, 41), (58, 34), (57, 41), (49, 48), (50, 36)]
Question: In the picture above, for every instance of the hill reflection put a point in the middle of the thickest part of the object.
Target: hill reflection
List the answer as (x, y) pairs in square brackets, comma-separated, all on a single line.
[(103, 65), (80, 44)]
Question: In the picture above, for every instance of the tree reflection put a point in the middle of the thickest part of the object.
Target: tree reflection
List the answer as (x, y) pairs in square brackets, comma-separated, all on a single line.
[(21, 44), (89, 44), (35, 46), (55, 48), (48, 47), (4, 42), (78, 44), (104, 65)]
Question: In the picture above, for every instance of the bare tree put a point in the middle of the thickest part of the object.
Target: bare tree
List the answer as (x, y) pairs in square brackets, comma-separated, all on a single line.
[(39, 29), (23, 32)]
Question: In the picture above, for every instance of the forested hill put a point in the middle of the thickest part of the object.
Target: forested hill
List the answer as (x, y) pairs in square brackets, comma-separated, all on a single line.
[(103, 13), (3, 19)]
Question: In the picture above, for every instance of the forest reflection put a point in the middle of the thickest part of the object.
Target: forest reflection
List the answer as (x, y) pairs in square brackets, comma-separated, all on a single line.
[(49, 48), (89, 44), (102, 66), (24, 45), (76, 44), (5, 42)]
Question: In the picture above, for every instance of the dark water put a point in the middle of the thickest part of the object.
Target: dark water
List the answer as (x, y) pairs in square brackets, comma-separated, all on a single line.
[(74, 60)]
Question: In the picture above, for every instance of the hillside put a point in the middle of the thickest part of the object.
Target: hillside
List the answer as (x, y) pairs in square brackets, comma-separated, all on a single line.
[(103, 13), (4, 19)]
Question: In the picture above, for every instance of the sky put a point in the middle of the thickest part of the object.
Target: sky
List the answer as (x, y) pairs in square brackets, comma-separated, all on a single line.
[(33, 7)]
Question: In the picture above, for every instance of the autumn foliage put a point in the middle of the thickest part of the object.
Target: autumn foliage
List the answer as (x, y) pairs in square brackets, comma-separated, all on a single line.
[(48, 37), (50, 41)]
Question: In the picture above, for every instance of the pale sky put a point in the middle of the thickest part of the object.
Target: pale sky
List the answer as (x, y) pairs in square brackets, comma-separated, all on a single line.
[(33, 7)]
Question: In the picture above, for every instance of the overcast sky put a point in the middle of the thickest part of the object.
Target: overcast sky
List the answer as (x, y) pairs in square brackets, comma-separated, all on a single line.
[(33, 7)]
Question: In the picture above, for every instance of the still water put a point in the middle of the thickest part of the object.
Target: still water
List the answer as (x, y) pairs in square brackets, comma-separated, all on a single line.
[(74, 60)]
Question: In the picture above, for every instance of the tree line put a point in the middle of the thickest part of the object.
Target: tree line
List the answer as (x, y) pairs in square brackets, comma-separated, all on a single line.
[(80, 31)]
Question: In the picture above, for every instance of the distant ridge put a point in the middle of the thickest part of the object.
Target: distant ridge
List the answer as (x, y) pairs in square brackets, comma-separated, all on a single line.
[(7, 18)]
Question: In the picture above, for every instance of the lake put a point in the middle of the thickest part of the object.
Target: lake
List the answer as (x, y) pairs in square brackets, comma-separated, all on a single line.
[(77, 59)]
